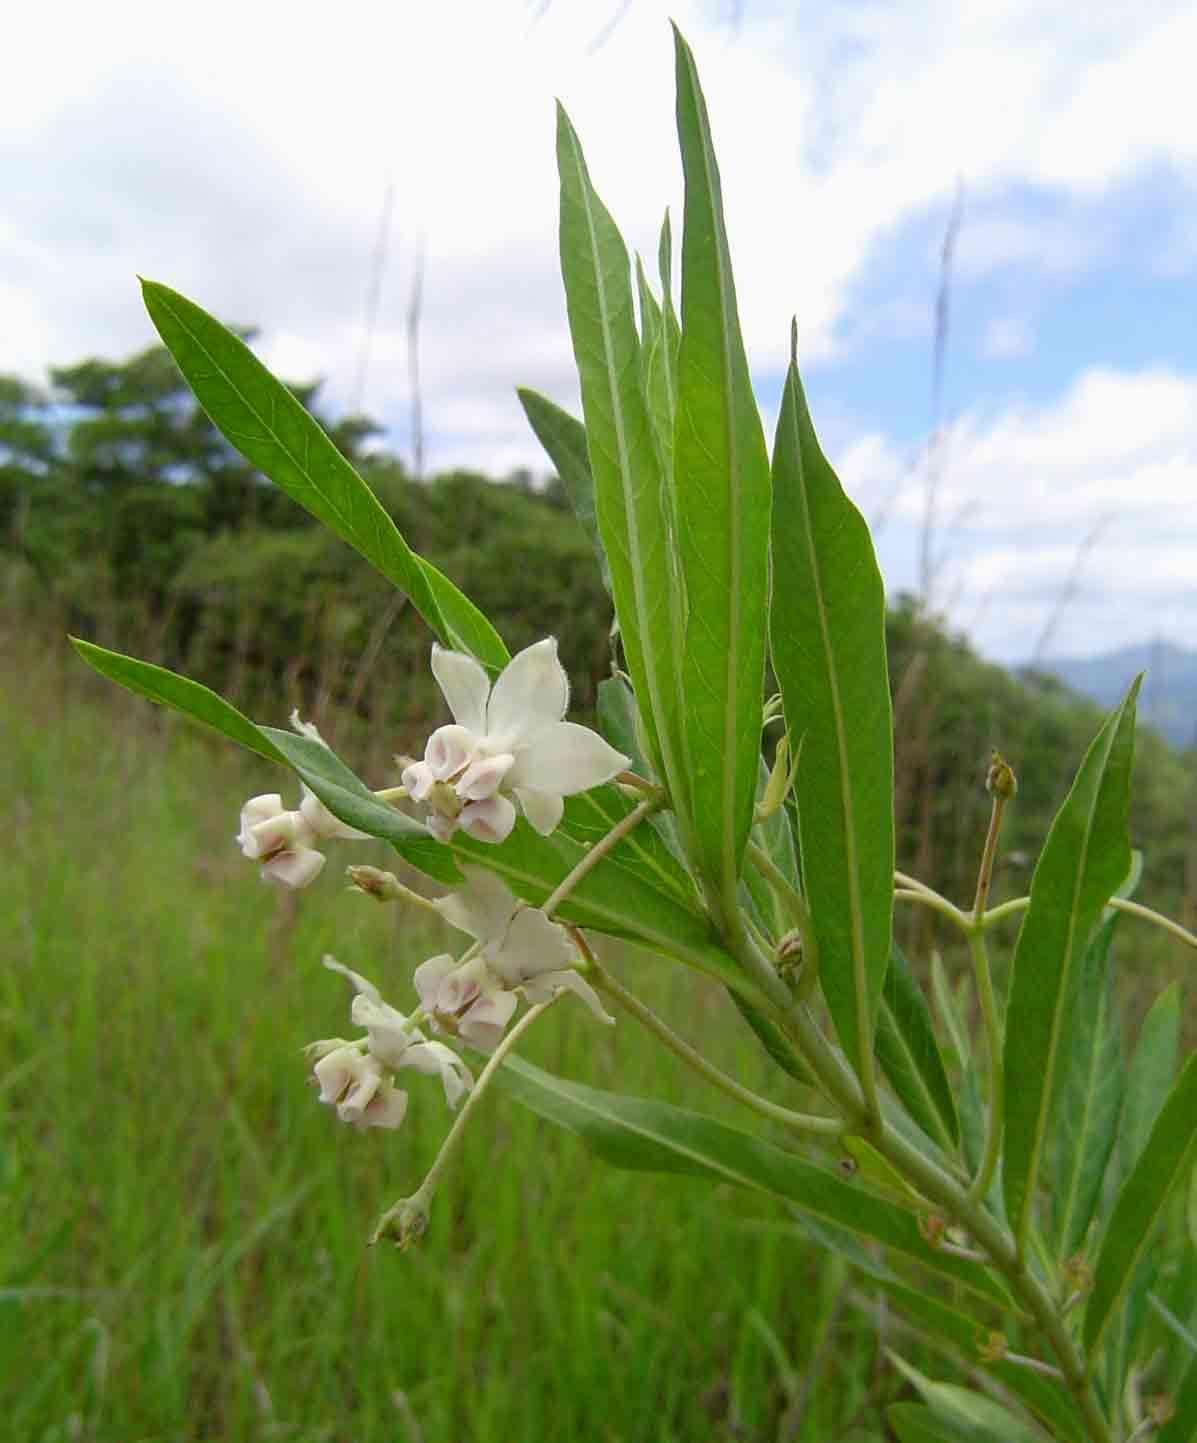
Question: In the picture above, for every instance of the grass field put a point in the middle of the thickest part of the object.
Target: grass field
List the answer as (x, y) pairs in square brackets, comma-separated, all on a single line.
[(183, 1251)]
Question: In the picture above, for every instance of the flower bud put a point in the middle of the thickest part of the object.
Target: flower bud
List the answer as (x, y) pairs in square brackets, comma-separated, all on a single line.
[(1000, 781), (383, 886), (404, 1224)]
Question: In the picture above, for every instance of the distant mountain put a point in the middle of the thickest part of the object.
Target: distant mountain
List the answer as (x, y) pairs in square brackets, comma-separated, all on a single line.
[(1169, 697)]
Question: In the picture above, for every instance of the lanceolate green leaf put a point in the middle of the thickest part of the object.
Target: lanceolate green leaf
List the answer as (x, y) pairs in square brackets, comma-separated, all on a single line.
[(962, 1407), (1090, 1097), (660, 373), (272, 429), (1170, 1152), (909, 1054), (630, 500), (657, 1137), (1084, 859), (564, 438), (914, 1423), (1152, 1069), (827, 630), (722, 499)]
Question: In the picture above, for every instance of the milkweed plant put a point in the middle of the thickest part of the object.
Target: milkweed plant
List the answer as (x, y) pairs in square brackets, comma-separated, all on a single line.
[(1023, 1199)]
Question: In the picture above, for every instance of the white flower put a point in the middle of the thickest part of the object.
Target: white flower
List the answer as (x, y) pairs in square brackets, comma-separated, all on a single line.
[(520, 951), (509, 738), (391, 1042), (285, 841)]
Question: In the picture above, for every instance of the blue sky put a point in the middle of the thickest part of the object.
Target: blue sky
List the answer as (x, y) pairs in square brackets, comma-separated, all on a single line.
[(245, 160)]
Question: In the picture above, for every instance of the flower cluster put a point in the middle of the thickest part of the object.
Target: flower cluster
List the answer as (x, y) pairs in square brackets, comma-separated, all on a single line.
[(519, 952), (505, 741), (357, 1077)]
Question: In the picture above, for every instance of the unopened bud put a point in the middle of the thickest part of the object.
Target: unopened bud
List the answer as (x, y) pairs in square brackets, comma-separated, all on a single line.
[(1161, 1409), (315, 1051), (404, 1224), (992, 1346), (1078, 1273), (1000, 781), (934, 1227), (383, 886)]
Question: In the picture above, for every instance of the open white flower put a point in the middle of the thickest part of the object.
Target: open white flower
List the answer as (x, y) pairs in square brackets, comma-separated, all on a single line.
[(506, 740), (520, 952), (356, 1075)]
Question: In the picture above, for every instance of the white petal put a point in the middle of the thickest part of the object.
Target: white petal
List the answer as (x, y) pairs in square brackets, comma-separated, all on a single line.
[(256, 811), (532, 690), (481, 779), (565, 758), (482, 1026), (323, 823), (387, 1108), (418, 780), (434, 1057), (361, 1092), (448, 750), (276, 834), (428, 977), (389, 1036), (297, 867), (541, 988), (360, 983), (543, 809), (465, 685), (442, 828), (483, 907), (336, 1072), (488, 821), (533, 944)]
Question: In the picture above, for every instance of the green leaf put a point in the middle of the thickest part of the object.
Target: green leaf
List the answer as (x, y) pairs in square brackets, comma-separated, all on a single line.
[(272, 429), (631, 503), (1165, 1160), (1090, 1097), (1182, 1428), (1086, 856), (962, 1407), (909, 1053), (1152, 1069), (182, 694), (722, 500), (827, 630), (774, 1041), (651, 1136), (914, 1423), (564, 439), (1043, 1397), (660, 373)]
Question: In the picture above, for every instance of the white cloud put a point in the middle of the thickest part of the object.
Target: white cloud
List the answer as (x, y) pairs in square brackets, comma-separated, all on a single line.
[(1008, 337), (1088, 498)]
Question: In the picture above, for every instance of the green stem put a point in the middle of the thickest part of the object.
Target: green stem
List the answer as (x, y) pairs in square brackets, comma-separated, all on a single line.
[(993, 1049), (926, 898), (795, 904), (1120, 904), (988, 853), (805, 1124), (418, 1204), (600, 849), (933, 1183)]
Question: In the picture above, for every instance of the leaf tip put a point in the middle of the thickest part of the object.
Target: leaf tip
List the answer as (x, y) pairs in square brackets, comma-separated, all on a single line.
[(794, 341)]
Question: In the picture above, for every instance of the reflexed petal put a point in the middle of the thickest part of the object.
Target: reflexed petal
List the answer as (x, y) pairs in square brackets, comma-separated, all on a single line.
[(418, 780), (435, 1057), (256, 811), (428, 977), (361, 1092), (540, 989), (482, 1026), (448, 750), (483, 907), (275, 834), (482, 779), (389, 1037), (442, 828), (543, 809), (361, 984), (532, 690), (387, 1108), (323, 823), (297, 867), (465, 685), (533, 944), (566, 758), (462, 986), (488, 821)]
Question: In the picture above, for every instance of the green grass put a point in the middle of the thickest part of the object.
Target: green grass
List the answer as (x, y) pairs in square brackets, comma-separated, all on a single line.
[(183, 1245)]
